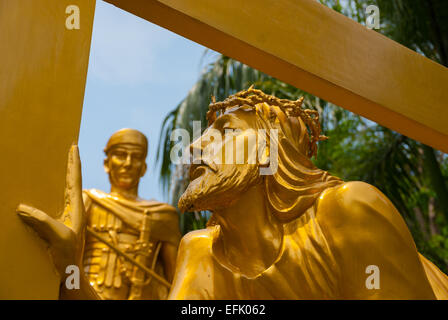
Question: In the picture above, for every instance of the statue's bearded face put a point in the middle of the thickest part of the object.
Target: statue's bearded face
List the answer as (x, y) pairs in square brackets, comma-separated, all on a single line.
[(125, 165), (225, 162)]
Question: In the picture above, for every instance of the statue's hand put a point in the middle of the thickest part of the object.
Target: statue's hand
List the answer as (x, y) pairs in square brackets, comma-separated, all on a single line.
[(65, 235)]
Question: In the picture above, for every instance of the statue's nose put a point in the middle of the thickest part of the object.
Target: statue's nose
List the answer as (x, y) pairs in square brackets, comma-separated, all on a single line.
[(128, 161), (199, 144), (195, 150)]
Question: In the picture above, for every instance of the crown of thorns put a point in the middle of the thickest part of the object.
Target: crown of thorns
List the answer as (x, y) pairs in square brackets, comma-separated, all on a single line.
[(251, 97)]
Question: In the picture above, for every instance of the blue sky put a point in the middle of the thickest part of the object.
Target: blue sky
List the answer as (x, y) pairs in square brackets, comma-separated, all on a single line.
[(138, 72)]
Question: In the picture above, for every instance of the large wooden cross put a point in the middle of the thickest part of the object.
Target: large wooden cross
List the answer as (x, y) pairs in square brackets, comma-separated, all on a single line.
[(301, 42)]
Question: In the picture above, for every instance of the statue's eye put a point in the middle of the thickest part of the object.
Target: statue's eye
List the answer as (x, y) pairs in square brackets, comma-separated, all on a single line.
[(137, 156), (227, 131), (120, 155), (227, 126)]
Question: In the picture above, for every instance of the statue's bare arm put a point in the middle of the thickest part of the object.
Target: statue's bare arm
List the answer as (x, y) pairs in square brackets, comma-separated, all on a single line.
[(65, 235), (193, 276), (169, 255)]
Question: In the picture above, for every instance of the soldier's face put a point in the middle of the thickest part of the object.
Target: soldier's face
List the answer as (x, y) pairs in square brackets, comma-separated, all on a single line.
[(125, 165)]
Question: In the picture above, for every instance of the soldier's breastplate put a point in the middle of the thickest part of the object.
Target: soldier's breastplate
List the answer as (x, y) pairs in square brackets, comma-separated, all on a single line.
[(109, 273)]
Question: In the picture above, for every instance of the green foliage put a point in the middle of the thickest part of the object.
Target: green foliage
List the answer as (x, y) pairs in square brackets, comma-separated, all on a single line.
[(439, 244)]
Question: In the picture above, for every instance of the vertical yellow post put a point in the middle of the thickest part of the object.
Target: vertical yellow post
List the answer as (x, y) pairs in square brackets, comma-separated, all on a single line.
[(43, 66)]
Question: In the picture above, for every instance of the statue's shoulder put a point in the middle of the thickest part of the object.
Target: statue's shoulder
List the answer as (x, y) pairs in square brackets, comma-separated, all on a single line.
[(165, 207), (198, 238), (162, 209), (89, 196), (94, 196), (361, 211), (196, 245), (355, 201), (94, 193), (350, 192)]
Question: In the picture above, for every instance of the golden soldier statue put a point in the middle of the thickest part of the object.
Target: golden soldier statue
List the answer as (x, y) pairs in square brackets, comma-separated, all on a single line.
[(147, 230), (130, 245)]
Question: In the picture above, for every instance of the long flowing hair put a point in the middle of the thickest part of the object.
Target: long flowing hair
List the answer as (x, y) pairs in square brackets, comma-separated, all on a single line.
[(297, 183)]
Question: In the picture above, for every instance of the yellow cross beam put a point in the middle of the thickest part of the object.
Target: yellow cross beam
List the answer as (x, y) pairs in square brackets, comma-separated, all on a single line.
[(42, 78), (316, 49)]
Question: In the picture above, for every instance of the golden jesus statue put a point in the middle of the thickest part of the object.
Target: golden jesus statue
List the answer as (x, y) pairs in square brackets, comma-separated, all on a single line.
[(130, 247), (299, 233)]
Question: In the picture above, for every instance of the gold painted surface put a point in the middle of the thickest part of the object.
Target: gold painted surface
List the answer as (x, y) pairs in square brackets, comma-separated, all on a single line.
[(114, 277), (42, 78), (320, 51), (124, 232), (299, 233)]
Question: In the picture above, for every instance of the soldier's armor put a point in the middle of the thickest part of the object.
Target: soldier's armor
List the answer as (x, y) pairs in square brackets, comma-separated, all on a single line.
[(111, 275)]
